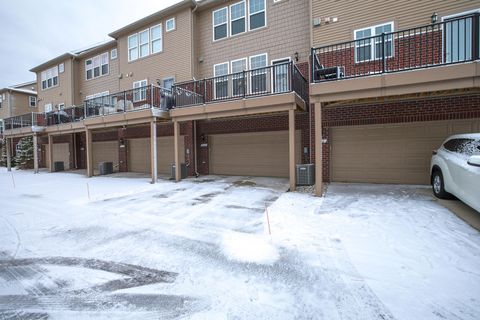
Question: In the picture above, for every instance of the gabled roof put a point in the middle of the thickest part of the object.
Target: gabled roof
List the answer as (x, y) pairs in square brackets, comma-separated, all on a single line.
[(153, 17), (55, 60)]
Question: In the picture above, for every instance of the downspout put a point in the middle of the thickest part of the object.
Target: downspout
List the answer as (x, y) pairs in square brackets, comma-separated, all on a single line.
[(9, 92), (72, 81), (310, 124)]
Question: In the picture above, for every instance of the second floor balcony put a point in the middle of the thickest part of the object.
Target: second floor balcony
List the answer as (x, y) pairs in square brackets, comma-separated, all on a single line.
[(441, 57), (273, 80)]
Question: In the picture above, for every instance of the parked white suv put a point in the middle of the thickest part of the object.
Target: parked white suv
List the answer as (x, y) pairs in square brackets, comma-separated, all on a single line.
[(455, 169)]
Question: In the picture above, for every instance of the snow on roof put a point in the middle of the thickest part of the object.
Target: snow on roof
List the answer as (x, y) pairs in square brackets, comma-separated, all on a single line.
[(19, 90)]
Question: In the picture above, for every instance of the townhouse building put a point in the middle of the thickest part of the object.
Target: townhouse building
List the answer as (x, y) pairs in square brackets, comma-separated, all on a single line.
[(391, 81), (254, 87), (17, 100)]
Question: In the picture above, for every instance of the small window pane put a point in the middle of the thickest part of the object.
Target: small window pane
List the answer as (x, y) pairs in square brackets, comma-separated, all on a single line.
[(132, 41), (257, 20), (220, 32), (238, 26), (143, 50), (257, 5), (89, 74), (96, 71), (237, 10), (156, 46), (156, 32), (104, 69), (220, 16), (258, 62), (171, 24), (133, 53)]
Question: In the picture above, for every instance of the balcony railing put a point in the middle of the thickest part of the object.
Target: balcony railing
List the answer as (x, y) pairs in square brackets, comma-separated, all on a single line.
[(448, 42), (67, 115), (276, 79), (26, 120), (136, 99)]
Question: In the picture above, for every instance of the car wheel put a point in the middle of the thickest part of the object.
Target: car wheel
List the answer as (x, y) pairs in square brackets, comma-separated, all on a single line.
[(438, 186)]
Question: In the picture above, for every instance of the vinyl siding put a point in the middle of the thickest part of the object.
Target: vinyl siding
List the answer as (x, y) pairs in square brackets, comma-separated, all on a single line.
[(354, 15), (109, 82), (173, 61), (287, 32), (59, 94)]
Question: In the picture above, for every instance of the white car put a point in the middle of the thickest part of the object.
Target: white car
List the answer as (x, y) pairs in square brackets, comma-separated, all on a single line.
[(455, 169)]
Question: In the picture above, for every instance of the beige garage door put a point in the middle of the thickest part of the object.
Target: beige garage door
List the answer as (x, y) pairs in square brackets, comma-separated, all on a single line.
[(252, 154), (61, 152), (139, 154), (397, 153), (105, 151)]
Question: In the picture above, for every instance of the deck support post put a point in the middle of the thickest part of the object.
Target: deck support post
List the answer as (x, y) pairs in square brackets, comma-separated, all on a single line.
[(9, 153), (176, 130), (50, 153), (89, 153), (153, 150), (291, 147), (35, 153), (318, 150)]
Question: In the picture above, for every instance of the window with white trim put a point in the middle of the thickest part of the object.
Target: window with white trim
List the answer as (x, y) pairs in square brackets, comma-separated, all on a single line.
[(168, 83), (1, 100), (61, 68), (49, 78), (61, 106), (237, 18), (156, 38), (48, 107), (170, 25), (113, 54), (144, 43), (133, 47), (140, 90), (238, 81), (258, 73), (97, 66), (257, 16), (368, 42), (32, 101), (220, 72), (220, 23)]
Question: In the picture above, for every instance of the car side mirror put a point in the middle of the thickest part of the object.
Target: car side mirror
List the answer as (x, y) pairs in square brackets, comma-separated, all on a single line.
[(474, 161)]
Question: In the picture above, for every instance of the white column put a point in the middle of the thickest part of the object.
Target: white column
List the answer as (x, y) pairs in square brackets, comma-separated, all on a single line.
[(89, 153), (176, 133), (153, 150)]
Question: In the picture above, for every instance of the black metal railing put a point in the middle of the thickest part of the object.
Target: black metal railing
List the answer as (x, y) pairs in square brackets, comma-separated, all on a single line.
[(276, 79), (66, 115), (25, 120), (448, 42), (136, 99)]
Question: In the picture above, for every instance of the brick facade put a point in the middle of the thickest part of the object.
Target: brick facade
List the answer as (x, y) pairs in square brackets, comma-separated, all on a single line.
[(397, 111)]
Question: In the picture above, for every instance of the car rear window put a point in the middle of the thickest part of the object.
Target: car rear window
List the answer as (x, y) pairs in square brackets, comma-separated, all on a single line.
[(463, 146)]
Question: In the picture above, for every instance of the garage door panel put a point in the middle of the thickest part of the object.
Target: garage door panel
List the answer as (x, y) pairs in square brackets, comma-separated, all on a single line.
[(252, 154), (105, 151), (139, 154), (397, 153), (61, 152)]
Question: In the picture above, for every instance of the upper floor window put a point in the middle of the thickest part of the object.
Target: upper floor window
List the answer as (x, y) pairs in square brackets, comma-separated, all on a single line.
[(220, 26), (257, 16), (170, 25), (140, 90), (96, 66), (144, 43), (156, 38), (61, 68), (50, 78), (168, 83), (237, 18), (32, 101), (113, 54), (368, 44), (1, 100), (48, 107)]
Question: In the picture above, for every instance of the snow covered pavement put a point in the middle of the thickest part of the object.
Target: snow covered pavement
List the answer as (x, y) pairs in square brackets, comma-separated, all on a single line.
[(120, 248)]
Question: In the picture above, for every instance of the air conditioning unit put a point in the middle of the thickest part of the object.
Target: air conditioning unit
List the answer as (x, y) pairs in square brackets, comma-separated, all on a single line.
[(58, 166), (183, 171), (305, 174), (105, 168)]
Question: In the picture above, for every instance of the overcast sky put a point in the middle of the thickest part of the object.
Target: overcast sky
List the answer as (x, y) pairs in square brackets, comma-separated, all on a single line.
[(33, 32)]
